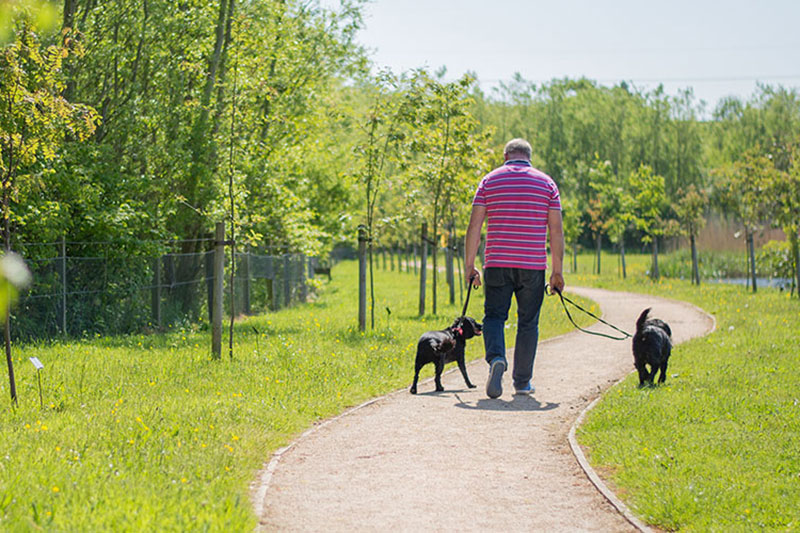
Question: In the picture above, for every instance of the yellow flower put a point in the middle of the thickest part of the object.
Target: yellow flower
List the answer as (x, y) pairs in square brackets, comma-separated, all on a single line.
[(56, 489)]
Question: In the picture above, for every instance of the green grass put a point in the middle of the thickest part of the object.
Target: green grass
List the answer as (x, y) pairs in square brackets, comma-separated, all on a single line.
[(717, 448), (144, 433)]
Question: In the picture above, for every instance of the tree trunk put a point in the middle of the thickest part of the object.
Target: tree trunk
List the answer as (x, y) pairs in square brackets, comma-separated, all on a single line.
[(451, 282), (362, 279), (599, 242), (695, 269), (655, 274), (574, 259), (751, 249), (7, 327), (622, 256), (371, 285), (796, 254)]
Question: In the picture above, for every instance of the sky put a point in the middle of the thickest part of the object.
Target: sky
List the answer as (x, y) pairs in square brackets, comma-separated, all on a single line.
[(718, 48)]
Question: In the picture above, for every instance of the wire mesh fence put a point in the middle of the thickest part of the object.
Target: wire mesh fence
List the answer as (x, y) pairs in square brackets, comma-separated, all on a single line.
[(87, 288)]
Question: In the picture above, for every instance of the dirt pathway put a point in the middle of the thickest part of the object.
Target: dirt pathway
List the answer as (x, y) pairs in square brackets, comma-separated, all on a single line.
[(457, 460)]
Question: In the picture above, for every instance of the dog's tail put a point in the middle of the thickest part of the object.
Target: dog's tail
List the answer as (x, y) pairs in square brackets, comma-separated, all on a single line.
[(642, 319)]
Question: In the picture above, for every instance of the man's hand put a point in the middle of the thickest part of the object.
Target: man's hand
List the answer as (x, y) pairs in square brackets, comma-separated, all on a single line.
[(471, 274), (556, 282)]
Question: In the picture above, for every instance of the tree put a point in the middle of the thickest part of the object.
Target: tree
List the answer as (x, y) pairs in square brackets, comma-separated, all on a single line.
[(601, 203), (449, 146), (689, 210), (649, 201), (784, 189), (741, 188), (573, 226), (382, 128), (34, 122)]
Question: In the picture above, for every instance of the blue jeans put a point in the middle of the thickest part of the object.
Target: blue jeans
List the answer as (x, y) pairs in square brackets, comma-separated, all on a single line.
[(528, 288)]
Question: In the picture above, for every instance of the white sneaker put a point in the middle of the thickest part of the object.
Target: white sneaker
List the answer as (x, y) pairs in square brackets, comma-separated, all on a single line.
[(526, 390)]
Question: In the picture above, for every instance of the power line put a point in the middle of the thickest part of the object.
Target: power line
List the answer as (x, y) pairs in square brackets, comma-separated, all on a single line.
[(707, 79)]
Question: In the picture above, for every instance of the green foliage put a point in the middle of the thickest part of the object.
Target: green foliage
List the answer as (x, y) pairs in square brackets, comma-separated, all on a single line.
[(689, 209), (611, 206), (450, 152), (43, 14), (776, 260), (36, 118), (649, 202)]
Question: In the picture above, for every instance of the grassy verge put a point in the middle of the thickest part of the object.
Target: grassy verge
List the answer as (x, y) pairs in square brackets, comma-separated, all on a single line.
[(717, 447), (146, 433)]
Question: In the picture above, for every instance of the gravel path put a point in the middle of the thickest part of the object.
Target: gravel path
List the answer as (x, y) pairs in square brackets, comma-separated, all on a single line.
[(458, 460)]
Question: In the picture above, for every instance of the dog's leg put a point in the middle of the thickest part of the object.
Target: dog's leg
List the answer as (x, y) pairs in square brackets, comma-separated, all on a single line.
[(663, 376), (463, 368), (417, 368), (439, 369), (652, 375), (642, 370)]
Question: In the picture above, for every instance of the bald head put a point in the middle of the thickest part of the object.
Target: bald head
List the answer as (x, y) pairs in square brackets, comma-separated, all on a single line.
[(517, 149)]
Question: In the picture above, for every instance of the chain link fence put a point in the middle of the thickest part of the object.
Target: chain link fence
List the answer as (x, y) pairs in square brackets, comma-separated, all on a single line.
[(88, 288)]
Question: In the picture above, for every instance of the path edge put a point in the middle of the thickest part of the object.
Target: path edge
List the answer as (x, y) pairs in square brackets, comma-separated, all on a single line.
[(590, 472)]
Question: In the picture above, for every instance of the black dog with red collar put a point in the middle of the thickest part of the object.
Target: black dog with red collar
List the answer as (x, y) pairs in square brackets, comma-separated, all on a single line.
[(445, 346)]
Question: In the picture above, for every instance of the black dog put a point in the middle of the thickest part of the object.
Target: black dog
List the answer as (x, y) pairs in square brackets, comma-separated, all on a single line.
[(445, 346), (652, 345)]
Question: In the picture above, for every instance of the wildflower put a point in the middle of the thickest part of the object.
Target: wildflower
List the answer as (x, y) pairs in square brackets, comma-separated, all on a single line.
[(56, 489)]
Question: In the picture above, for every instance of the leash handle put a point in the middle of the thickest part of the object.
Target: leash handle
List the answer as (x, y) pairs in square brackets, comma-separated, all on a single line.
[(569, 316), (466, 302)]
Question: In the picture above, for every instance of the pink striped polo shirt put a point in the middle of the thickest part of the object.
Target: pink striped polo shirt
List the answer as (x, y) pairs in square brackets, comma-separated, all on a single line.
[(517, 198)]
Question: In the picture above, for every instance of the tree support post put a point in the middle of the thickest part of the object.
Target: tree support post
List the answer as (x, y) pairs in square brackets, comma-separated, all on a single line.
[(219, 272), (63, 274), (156, 294), (362, 278), (423, 269)]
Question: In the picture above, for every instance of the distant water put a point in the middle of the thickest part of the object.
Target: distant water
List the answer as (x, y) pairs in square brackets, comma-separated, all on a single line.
[(778, 283)]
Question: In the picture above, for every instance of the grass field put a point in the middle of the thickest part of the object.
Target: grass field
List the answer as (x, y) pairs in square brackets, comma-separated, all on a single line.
[(717, 448), (147, 433)]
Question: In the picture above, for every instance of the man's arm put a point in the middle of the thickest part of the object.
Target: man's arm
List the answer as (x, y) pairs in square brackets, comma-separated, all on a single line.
[(472, 242), (556, 229)]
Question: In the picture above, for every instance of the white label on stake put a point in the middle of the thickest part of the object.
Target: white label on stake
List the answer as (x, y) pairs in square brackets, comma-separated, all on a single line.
[(38, 364)]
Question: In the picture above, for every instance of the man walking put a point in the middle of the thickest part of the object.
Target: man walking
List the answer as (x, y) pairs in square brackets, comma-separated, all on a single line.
[(521, 205)]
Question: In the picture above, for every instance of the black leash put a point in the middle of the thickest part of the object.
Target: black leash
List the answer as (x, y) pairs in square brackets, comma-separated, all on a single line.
[(625, 333), (466, 302)]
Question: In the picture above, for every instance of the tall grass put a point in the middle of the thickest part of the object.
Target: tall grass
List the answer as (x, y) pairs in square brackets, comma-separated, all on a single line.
[(147, 433), (716, 448)]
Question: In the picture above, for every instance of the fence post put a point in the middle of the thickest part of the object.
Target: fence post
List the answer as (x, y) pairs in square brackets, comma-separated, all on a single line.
[(303, 273), (423, 268), (157, 291), (246, 283), (209, 260), (63, 285), (287, 281), (219, 272), (362, 278)]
